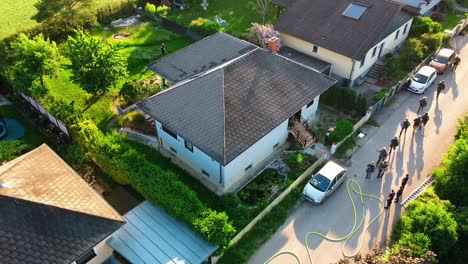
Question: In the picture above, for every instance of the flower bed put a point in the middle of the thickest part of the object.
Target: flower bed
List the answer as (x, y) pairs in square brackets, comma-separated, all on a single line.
[(298, 163), (262, 187)]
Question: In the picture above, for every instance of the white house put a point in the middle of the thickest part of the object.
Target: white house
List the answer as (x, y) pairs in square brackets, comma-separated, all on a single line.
[(238, 104), (424, 7), (351, 35)]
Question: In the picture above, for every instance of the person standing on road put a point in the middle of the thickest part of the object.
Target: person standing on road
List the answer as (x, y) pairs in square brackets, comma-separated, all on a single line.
[(422, 104), (417, 123), (424, 119), (404, 181), (382, 168), (389, 199), (404, 126), (398, 195), (393, 144), (370, 169), (455, 63), (383, 154), (440, 88)]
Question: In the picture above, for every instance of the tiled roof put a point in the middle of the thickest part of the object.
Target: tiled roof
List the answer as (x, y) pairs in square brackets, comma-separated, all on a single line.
[(305, 59), (227, 110), (48, 212), (322, 23), (205, 54)]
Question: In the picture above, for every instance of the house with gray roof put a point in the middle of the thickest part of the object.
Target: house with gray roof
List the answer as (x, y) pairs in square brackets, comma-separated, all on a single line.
[(49, 214), (237, 104), (351, 35), (423, 7)]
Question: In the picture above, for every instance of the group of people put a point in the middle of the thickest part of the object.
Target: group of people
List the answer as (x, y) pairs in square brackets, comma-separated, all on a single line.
[(398, 194)]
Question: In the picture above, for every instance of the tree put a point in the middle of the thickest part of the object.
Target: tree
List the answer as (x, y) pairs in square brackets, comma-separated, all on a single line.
[(33, 60), (263, 8), (96, 66), (260, 34), (418, 243), (131, 91), (215, 227), (65, 15), (12, 149), (423, 25)]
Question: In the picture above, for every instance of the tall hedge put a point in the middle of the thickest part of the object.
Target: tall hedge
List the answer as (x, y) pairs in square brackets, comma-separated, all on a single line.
[(345, 99)]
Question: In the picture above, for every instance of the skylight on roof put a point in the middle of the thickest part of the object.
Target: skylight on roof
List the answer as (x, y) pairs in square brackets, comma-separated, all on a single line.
[(354, 11)]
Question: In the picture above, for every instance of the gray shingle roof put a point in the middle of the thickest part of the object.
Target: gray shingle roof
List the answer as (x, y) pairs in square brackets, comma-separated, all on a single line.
[(206, 54), (321, 22), (305, 59), (226, 111), (48, 213)]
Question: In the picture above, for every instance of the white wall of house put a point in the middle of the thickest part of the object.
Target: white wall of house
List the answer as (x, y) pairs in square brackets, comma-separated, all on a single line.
[(197, 159), (342, 66), (236, 169), (309, 112), (424, 8), (390, 44)]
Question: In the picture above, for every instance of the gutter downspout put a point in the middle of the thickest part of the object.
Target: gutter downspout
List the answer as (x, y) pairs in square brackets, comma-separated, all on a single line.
[(352, 71)]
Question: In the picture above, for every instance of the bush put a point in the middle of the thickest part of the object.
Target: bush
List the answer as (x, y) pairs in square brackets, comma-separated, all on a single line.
[(204, 26), (423, 25), (345, 99), (261, 187), (434, 41), (413, 52), (150, 8), (343, 128), (11, 149), (131, 91), (135, 119), (430, 219), (162, 11), (215, 227), (418, 243), (381, 94)]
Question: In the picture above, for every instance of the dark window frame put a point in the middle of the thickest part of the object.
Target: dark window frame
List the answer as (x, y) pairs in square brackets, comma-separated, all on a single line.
[(374, 51), (169, 132), (315, 49), (405, 28), (188, 145), (276, 145), (397, 34), (206, 173), (249, 167), (173, 150), (310, 104)]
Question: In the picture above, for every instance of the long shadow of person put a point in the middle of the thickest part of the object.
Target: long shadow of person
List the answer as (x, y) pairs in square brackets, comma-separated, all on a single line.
[(419, 161), (411, 157), (437, 117)]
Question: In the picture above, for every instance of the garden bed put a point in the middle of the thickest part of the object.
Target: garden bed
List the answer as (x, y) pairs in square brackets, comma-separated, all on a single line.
[(264, 186)]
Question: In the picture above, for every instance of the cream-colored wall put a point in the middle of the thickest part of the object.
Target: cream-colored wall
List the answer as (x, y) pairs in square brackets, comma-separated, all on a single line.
[(341, 65)]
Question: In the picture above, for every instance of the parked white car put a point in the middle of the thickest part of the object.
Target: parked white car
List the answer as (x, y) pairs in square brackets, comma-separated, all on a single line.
[(422, 79), (324, 182)]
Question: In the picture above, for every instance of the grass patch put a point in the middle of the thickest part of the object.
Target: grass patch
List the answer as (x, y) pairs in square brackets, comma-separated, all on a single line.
[(16, 15), (449, 21), (32, 135), (343, 149), (239, 15)]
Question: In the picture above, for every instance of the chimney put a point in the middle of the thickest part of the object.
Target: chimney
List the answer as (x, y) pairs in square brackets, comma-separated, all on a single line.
[(273, 45)]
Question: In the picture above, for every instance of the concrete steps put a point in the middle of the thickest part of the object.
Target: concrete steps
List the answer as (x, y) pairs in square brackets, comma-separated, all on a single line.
[(375, 71)]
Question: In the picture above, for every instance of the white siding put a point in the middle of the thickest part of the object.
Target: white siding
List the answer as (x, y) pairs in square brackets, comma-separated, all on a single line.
[(197, 160), (235, 170), (390, 43), (309, 112)]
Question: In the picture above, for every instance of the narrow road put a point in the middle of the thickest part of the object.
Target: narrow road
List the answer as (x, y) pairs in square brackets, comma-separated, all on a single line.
[(417, 155)]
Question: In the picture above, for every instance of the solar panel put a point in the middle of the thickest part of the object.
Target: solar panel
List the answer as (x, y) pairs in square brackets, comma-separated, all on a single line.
[(354, 11)]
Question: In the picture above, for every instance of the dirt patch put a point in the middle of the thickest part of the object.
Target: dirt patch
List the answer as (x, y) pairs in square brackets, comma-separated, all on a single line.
[(121, 35)]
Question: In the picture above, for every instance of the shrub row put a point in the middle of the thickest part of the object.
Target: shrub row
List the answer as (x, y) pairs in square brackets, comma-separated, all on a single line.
[(128, 166), (204, 26), (345, 99), (113, 11)]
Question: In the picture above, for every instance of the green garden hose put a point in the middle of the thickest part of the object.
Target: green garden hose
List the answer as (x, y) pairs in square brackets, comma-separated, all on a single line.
[(354, 184)]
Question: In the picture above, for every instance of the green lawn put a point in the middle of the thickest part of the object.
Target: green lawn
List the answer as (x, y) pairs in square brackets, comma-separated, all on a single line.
[(239, 15), (449, 21), (32, 135), (16, 15), (140, 49)]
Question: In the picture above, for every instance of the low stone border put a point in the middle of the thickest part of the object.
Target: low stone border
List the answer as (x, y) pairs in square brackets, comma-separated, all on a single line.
[(278, 199), (142, 138)]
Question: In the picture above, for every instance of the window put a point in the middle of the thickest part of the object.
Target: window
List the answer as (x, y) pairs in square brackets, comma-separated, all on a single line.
[(276, 145), (173, 150), (374, 51), (311, 103), (397, 34), (206, 173), (405, 28), (354, 11), (87, 256), (248, 167), (169, 132), (315, 49), (363, 61), (188, 145)]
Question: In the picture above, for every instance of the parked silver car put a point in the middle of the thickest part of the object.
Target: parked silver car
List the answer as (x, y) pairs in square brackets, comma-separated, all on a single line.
[(324, 182)]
